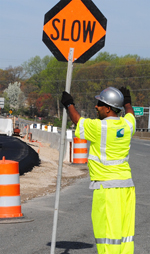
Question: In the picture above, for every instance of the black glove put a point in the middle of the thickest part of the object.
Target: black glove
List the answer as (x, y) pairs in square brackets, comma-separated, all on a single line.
[(66, 99), (126, 94)]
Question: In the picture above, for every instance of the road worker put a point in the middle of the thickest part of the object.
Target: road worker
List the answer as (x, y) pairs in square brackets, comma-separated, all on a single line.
[(113, 206)]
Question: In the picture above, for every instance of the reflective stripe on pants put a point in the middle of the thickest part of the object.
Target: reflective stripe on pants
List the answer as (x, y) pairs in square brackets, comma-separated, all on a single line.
[(113, 218)]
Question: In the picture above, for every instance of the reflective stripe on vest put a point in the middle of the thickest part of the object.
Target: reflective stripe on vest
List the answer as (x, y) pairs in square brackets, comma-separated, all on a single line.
[(82, 129), (108, 163), (103, 150), (130, 125), (95, 185), (114, 241), (103, 141), (103, 159)]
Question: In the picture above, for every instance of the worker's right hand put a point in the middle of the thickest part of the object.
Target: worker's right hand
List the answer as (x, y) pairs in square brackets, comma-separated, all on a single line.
[(126, 94), (66, 99)]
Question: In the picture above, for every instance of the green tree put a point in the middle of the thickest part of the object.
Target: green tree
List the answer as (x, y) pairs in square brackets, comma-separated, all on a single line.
[(35, 65), (88, 80), (54, 79), (105, 56), (33, 69), (10, 75)]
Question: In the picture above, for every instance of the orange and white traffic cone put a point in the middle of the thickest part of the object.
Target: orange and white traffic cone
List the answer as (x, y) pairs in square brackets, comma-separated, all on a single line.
[(10, 201)]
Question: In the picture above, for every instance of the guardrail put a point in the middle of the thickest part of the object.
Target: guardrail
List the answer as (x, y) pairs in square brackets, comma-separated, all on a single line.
[(142, 130), (21, 123)]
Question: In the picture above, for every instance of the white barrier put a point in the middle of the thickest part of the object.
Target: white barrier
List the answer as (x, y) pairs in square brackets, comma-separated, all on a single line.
[(38, 126), (55, 130), (69, 146), (54, 140), (50, 134), (69, 134), (6, 127), (44, 127), (49, 129)]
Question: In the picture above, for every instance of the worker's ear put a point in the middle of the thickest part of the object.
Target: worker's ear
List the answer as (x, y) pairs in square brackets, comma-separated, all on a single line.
[(108, 109)]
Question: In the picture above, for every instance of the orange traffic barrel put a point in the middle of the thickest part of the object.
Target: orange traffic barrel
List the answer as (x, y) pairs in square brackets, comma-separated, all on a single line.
[(80, 151), (10, 201)]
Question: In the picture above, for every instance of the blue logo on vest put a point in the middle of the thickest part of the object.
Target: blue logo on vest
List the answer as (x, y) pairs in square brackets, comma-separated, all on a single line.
[(120, 133)]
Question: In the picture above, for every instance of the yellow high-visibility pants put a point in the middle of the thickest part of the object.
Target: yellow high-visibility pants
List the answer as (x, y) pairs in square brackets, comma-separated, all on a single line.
[(113, 218)]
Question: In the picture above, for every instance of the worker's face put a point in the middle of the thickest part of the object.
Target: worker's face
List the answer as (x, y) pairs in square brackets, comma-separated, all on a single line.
[(101, 111)]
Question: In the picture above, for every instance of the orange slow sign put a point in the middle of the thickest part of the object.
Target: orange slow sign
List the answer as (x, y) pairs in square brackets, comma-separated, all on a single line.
[(74, 24)]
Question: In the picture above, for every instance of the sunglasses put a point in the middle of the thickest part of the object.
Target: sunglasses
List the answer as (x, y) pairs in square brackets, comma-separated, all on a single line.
[(100, 103)]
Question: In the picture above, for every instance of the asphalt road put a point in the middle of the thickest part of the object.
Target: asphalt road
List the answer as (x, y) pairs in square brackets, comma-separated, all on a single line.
[(140, 165), (74, 234)]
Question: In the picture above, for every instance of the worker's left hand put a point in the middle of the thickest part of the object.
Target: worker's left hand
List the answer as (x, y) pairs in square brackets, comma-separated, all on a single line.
[(126, 94), (66, 99)]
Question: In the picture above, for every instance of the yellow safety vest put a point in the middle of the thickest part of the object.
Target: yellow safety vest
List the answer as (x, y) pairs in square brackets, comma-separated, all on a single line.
[(110, 144)]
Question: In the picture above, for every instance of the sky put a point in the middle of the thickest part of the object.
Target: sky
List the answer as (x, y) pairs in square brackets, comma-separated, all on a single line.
[(21, 28)]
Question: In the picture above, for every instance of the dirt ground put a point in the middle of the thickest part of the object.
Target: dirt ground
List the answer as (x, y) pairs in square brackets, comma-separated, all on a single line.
[(42, 179)]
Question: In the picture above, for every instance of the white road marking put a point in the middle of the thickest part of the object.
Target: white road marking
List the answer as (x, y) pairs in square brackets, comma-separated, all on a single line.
[(146, 144), (139, 154)]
